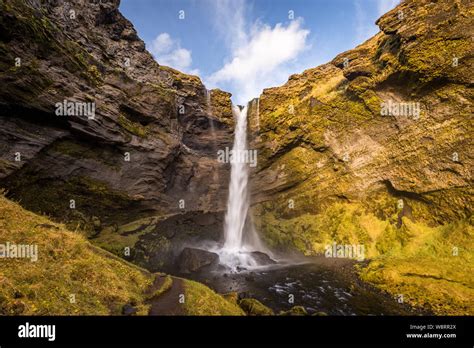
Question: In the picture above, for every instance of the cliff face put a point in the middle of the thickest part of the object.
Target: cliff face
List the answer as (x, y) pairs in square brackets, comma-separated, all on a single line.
[(324, 137), (375, 148), (148, 150)]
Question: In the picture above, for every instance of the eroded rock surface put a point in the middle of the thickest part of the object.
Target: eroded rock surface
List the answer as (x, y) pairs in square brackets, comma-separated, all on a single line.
[(149, 149)]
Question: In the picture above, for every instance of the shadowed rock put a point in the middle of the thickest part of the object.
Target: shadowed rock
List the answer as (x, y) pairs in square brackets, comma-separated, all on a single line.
[(193, 260), (262, 258)]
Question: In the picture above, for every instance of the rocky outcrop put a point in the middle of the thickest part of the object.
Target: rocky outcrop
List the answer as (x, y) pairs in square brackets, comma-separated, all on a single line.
[(331, 135), (374, 150), (148, 149), (193, 260)]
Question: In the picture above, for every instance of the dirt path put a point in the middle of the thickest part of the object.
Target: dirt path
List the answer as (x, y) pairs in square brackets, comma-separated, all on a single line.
[(167, 303)]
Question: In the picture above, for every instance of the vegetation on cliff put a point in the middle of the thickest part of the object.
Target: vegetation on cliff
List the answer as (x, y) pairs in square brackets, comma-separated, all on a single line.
[(333, 168)]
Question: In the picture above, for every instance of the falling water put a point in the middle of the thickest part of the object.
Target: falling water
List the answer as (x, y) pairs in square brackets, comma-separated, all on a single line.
[(209, 111), (237, 205), (240, 237)]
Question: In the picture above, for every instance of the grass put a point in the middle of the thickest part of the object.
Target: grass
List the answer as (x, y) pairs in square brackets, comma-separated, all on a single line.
[(167, 284), (200, 300), (430, 266), (432, 269), (254, 307), (68, 267)]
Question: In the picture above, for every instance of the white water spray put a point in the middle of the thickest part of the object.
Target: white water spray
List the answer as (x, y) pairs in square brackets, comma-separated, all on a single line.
[(237, 204), (240, 237)]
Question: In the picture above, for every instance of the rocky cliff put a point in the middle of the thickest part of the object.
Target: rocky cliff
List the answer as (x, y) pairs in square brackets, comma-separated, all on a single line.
[(149, 148), (373, 148), (362, 149)]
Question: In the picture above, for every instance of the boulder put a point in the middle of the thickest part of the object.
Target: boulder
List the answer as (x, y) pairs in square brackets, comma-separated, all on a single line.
[(193, 260), (252, 306), (295, 311), (262, 258)]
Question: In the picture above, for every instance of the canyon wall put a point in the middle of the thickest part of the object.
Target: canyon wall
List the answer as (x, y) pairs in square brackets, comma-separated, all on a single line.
[(149, 149), (324, 139), (374, 151)]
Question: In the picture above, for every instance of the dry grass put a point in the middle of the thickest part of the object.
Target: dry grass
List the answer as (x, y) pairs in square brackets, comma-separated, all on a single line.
[(68, 266), (200, 300)]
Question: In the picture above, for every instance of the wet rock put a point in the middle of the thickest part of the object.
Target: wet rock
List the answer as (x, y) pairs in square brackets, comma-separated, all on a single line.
[(81, 158), (193, 260), (205, 219), (262, 258), (254, 307), (128, 309), (295, 311)]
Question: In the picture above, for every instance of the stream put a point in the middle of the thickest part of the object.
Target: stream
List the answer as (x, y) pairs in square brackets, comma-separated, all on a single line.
[(321, 285)]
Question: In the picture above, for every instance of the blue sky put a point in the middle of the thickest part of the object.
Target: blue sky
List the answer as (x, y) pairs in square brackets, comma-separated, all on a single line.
[(243, 46)]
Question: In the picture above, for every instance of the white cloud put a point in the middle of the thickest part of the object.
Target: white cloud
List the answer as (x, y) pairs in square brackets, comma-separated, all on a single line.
[(230, 21), (365, 28), (261, 56), (168, 52), (383, 6)]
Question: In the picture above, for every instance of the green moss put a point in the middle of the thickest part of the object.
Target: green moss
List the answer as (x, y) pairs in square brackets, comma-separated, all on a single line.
[(95, 75), (295, 311), (309, 233), (116, 238), (133, 127), (429, 268), (68, 267), (83, 151), (200, 300), (414, 259), (252, 306), (433, 57)]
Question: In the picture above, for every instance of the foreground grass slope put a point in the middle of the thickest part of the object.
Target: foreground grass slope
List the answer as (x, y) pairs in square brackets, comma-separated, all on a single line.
[(73, 277)]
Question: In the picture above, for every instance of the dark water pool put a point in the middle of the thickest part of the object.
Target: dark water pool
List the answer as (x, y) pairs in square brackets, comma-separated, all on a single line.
[(333, 289)]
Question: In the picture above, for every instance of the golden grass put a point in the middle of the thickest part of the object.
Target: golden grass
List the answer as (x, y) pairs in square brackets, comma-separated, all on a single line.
[(426, 269), (68, 268), (415, 260), (200, 300)]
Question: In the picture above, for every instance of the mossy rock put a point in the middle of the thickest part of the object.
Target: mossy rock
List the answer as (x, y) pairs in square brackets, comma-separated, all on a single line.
[(295, 311), (253, 307), (200, 300)]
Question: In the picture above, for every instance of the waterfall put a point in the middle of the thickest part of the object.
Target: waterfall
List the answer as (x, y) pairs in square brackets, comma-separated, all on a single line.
[(240, 237), (237, 204)]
